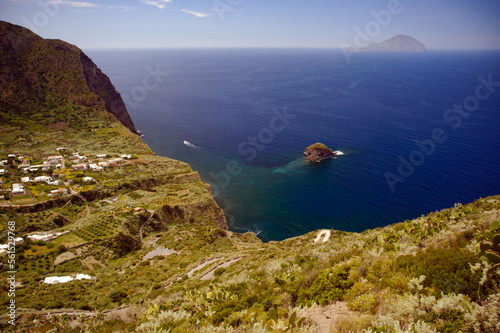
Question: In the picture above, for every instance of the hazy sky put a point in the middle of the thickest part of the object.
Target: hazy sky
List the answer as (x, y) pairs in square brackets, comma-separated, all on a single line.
[(439, 24)]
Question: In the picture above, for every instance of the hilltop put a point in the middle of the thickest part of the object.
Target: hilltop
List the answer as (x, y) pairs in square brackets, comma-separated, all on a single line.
[(128, 241), (399, 43)]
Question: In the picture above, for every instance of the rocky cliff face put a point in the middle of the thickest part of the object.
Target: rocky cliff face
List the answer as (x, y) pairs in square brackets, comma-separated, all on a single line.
[(50, 79), (100, 84)]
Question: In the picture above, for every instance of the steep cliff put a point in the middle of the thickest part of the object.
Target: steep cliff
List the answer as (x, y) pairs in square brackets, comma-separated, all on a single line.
[(48, 81)]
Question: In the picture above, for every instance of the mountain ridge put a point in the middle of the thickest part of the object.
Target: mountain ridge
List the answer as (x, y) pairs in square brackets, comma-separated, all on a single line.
[(398, 43), (28, 60)]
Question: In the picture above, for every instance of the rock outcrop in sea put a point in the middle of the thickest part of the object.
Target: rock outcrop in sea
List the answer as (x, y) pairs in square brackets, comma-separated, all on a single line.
[(318, 152)]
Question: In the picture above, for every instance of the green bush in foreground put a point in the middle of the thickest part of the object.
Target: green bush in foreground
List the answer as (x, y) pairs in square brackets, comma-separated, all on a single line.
[(330, 285)]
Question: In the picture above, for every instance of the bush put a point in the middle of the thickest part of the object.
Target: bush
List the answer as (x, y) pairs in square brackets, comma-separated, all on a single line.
[(118, 295), (219, 271), (57, 304), (447, 269), (330, 285)]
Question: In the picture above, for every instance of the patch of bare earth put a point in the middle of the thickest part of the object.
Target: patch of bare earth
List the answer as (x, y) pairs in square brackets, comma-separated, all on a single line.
[(59, 126), (325, 317), (63, 257)]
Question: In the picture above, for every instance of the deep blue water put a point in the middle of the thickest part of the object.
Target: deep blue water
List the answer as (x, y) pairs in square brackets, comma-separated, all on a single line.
[(373, 109)]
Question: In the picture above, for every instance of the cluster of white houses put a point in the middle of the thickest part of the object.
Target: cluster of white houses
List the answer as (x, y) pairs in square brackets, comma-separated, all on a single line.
[(79, 162), (96, 165)]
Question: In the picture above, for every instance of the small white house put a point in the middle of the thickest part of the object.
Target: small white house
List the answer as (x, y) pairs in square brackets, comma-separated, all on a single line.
[(88, 179), (115, 161), (17, 189), (25, 179), (53, 183), (101, 156), (79, 167), (2, 171), (59, 191), (64, 279), (57, 279), (43, 179), (125, 156), (43, 237)]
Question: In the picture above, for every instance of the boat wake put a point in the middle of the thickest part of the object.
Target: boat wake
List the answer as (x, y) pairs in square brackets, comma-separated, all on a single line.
[(189, 144)]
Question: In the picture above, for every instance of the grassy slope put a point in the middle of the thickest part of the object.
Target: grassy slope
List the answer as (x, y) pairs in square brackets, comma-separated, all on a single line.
[(377, 274)]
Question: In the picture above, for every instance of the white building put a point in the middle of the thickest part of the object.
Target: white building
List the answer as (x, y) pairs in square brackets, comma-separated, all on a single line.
[(43, 179), (79, 167), (25, 179), (57, 279), (88, 179), (115, 161), (41, 237), (17, 188), (64, 279)]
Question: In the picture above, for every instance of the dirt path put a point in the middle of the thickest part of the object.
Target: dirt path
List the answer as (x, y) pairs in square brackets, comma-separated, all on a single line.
[(326, 236), (200, 266), (326, 316), (210, 274), (150, 217)]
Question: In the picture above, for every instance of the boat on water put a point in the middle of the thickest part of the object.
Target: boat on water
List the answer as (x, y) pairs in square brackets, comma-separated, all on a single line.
[(189, 144), (337, 153)]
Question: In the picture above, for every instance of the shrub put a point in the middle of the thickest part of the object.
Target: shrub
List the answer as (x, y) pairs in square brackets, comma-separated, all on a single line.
[(118, 295), (219, 271), (446, 269), (367, 303), (57, 304), (330, 285)]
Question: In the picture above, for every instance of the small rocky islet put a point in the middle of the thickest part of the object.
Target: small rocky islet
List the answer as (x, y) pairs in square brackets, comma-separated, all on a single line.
[(319, 152)]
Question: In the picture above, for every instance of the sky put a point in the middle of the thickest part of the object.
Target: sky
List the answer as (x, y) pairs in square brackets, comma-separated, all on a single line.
[(91, 24)]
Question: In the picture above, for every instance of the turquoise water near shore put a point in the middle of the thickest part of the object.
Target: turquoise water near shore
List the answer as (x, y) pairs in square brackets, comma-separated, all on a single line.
[(374, 109)]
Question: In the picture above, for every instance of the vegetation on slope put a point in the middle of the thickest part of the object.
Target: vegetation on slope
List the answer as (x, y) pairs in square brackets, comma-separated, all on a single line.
[(423, 275)]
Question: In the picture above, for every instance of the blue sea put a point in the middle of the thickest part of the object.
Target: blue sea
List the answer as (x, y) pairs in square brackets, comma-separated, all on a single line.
[(419, 131)]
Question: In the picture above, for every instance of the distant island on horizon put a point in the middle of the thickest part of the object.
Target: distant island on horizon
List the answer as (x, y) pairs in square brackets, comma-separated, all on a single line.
[(399, 43)]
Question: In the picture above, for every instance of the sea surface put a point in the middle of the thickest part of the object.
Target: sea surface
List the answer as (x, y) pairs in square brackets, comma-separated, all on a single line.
[(410, 145)]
